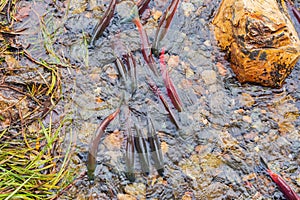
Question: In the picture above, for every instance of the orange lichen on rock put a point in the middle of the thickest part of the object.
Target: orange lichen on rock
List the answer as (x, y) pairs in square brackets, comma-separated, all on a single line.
[(260, 38)]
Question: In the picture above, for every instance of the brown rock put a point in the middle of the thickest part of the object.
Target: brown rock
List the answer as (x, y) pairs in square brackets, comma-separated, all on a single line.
[(263, 43)]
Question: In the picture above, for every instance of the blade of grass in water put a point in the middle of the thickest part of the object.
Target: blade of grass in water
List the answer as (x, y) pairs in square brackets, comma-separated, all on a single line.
[(121, 68), (164, 24), (65, 162), (91, 161), (104, 22), (172, 92)]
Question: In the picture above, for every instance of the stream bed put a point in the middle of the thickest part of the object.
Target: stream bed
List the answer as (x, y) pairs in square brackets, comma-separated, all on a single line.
[(224, 128)]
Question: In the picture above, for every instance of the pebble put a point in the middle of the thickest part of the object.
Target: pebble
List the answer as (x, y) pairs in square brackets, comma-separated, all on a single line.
[(164, 147), (247, 119), (125, 197), (246, 100), (188, 8), (187, 196), (156, 14), (173, 61), (209, 76), (136, 189), (207, 43)]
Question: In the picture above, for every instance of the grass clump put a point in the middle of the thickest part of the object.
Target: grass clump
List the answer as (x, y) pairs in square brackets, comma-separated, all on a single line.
[(37, 168)]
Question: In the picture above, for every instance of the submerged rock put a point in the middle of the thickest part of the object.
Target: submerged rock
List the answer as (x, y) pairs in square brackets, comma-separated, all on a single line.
[(260, 38)]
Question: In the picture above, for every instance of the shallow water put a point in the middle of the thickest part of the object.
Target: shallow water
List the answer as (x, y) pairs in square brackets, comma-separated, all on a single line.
[(225, 126)]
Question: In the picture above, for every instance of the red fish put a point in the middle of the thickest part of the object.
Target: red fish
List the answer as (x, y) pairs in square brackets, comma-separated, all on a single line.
[(165, 23), (288, 192), (158, 93), (172, 92), (294, 10), (282, 185), (145, 46), (142, 5), (104, 22), (91, 160)]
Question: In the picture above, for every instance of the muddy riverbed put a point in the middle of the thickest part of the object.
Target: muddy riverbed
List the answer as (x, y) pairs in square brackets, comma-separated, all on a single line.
[(224, 127)]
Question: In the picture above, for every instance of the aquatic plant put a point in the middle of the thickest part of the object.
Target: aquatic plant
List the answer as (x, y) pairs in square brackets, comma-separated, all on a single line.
[(158, 93), (141, 148), (34, 167), (129, 155)]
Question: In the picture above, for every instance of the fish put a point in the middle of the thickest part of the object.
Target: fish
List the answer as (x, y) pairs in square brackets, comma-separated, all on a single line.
[(104, 22), (158, 93), (171, 90), (164, 24), (142, 5), (93, 147), (282, 185), (294, 10)]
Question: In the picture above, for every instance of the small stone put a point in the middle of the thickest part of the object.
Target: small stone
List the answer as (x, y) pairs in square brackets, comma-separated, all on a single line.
[(136, 189), (187, 196), (221, 69), (207, 43), (247, 119), (156, 14), (263, 111), (186, 48), (209, 76), (239, 111), (248, 177), (125, 197), (164, 147), (173, 61), (188, 8), (188, 72), (114, 140), (246, 100)]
